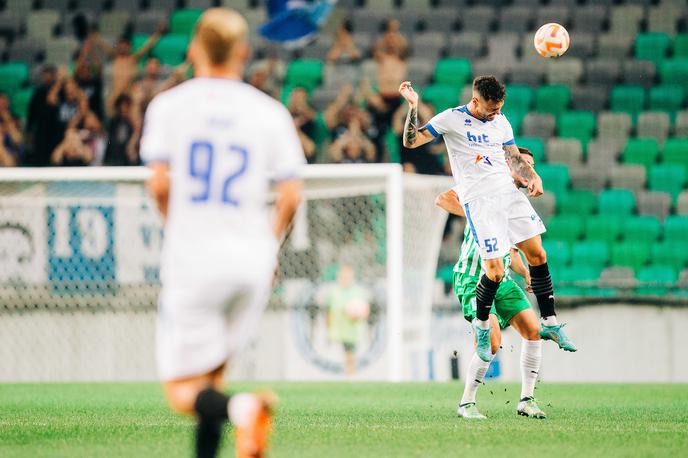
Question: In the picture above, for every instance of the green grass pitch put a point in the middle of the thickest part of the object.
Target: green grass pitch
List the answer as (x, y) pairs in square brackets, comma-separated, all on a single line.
[(358, 420)]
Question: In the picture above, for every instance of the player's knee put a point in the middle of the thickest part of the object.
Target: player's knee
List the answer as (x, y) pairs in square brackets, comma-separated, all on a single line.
[(181, 399), (495, 275), (537, 257), (532, 333)]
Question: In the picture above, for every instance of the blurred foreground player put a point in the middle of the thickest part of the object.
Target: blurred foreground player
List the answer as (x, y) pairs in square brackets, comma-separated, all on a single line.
[(214, 144)]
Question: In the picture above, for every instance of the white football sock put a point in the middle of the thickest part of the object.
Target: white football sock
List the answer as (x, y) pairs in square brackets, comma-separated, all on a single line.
[(531, 355), (550, 320), (474, 377), (242, 408), (482, 324)]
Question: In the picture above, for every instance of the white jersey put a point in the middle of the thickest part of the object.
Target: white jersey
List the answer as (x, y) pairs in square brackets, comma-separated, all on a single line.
[(224, 141), (475, 151)]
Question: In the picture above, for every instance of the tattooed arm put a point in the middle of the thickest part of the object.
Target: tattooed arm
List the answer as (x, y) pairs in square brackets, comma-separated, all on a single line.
[(523, 170), (413, 137)]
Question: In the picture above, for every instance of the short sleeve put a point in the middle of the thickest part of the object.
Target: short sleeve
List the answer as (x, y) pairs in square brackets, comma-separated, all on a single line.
[(286, 152), (439, 124), (155, 145), (508, 133)]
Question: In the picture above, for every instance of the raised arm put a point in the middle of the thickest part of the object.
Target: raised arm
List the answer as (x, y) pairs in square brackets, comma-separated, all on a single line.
[(449, 202), (522, 169), (413, 136)]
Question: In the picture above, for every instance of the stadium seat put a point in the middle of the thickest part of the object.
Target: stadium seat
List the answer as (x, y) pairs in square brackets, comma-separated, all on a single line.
[(616, 202), (466, 45), (555, 177), (503, 46), (478, 19), (638, 73), (112, 23), (40, 24), (622, 278), (443, 18), (535, 145), (61, 50), (589, 18), (667, 98), (641, 228), (148, 22), (431, 45), (567, 72), (307, 73), (631, 254), (589, 97), (655, 280), (19, 102), (525, 73), (441, 96), (614, 46), (652, 46), (682, 203), (674, 254), (540, 125), (454, 72), (606, 228), (681, 124), (681, 45), (577, 124), (625, 20), (604, 152), (614, 126), (584, 46), (558, 253), (515, 18), (667, 178), (663, 20), (590, 177), (643, 151), (489, 67), (579, 202), (653, 124), (593, 253), (553, 99), (171, 49), (675, 152), (566, 151), (676, 228), (515, 118), (519, 97), (655, 203), (628, 176), (13, 75), (675, 71), (183, 21), (602, 71), (565, 228), (628, 99), (27, 50)]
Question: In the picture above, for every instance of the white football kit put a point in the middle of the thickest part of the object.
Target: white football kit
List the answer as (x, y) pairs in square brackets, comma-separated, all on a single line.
[(224, 141), (498, 214)]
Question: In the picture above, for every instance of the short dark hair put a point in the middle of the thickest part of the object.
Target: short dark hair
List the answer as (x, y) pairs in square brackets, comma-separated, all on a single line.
[(489, 88), (526, 151)]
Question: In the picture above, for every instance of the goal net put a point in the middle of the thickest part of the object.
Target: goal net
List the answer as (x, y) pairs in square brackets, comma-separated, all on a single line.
[(79, 262)]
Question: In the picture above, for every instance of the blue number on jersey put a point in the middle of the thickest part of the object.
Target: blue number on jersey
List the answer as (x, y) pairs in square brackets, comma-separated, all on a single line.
[(201, 168), (491, 245)]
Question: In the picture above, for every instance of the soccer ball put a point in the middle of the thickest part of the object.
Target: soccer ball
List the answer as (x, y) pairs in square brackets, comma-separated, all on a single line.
[(551, 40), (357, 309)]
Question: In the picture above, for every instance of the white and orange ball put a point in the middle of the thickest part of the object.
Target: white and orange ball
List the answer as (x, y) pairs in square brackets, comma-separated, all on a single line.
[(551, 40), (358, 309)]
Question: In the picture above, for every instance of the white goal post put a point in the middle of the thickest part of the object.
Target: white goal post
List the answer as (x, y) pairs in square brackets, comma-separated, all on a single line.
[(78, 276)]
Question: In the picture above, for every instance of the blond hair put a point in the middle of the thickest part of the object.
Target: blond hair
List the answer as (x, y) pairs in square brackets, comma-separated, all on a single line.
[(218, 31)]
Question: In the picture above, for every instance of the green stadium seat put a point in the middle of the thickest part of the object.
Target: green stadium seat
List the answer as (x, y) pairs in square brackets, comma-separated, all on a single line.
[(681, 45), (183, 21), (676, 152), (441, 96), (594, 253), (603, 227), (453, 72), (558, 253), (13, 75), (519, 98), (446, 273), (535, 145), (138, 40), (552, 99), (631, 254), (642, 228), (655, 280), (643, 151), (515, 118), (567, 228), (577, 124), (555, 178), (667, 178), (19, 102), (652, 46), (676, 228), (628, 99), (616, 202), (171, 49), (671, 253), (675, 71), (667, 97), (307, 73), (580, 202), (577, 280)]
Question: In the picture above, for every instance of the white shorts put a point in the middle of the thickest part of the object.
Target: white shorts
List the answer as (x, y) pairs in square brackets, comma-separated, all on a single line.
[(200, 327), (500, 221)]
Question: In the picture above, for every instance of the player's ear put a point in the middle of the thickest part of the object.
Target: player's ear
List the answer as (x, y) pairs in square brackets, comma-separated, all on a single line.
[(192, 52), (243, 51)]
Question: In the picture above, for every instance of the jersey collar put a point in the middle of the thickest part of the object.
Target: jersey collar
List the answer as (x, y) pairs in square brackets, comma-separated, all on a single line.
[(464, 109)]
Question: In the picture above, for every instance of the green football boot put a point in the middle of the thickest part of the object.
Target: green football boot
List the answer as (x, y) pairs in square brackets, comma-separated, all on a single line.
[(556, 334), (470, 412), (529, 408), (483, 348)]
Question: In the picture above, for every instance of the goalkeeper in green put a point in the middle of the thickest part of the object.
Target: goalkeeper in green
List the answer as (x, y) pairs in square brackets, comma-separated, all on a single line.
[(510, 307)]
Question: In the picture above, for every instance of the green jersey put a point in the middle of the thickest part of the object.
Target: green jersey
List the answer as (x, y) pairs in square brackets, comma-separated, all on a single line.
[(469, 266)]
